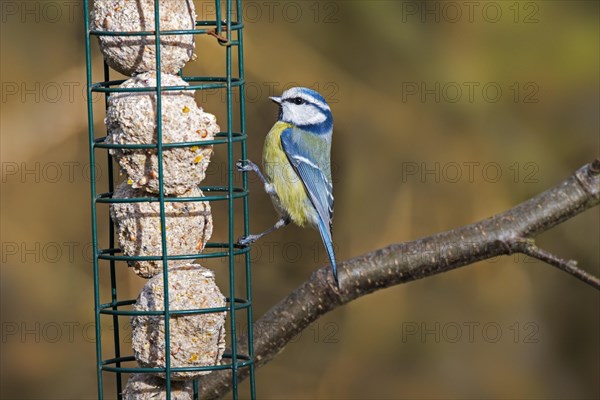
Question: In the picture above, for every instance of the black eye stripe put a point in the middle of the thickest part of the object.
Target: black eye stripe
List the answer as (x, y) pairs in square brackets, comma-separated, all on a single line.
[(296, 100)]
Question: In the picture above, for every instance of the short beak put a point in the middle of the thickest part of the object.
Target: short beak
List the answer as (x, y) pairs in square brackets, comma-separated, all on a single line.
[(276, 99)]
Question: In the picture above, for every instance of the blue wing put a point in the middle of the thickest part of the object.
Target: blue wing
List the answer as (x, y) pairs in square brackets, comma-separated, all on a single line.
[(309, 155)]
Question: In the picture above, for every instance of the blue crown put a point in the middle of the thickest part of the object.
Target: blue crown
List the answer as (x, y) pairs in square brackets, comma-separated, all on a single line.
[(314, 94)]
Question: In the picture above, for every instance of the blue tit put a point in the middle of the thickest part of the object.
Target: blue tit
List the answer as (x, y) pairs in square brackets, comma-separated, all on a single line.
[(297, 166)]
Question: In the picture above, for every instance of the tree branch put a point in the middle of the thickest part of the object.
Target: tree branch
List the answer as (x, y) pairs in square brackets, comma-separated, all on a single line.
[(506, 233), (528, 247)]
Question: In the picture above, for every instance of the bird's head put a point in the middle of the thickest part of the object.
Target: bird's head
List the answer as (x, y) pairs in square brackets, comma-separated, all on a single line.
[(305, 109)]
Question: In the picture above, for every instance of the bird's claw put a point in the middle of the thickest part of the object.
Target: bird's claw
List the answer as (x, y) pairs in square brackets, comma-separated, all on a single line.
[(246, 240), (245, 165)]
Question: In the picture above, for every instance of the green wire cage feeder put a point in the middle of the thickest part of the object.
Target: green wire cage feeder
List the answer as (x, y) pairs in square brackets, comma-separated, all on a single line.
[(152, 58)]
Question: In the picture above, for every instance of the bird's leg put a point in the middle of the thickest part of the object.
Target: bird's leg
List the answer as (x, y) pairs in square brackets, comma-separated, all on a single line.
[(248, 166), (283, 221)]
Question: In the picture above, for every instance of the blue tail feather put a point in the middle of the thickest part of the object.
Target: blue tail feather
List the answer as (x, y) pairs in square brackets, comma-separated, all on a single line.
[(326, 236)]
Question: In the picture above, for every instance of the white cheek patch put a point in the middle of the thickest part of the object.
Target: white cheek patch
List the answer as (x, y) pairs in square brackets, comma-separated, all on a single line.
[(314, 116), (305, 114)]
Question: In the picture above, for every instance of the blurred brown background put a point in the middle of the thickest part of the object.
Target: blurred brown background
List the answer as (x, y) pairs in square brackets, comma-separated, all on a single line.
[(445, 113)]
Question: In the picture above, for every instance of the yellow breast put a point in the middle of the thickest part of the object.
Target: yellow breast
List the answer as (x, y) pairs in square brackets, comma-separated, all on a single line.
[(287, 184)]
